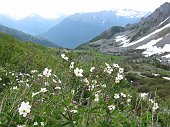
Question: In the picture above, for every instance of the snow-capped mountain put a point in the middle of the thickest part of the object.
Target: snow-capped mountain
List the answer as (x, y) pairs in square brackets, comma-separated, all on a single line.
[(151, 34), (129, 13)]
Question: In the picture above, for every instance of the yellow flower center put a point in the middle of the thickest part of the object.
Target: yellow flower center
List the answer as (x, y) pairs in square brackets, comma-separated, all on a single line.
[(23, 110)]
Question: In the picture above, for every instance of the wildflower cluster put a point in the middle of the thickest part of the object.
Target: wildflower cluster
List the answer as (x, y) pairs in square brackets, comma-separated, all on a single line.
[(154, 105), (64, 57)]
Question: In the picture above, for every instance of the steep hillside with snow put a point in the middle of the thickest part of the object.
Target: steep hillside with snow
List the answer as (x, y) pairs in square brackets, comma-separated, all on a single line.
[(151, 34)]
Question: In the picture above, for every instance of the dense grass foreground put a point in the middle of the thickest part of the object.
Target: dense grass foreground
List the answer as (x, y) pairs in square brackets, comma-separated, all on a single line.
[(78, 96), (73, 89)]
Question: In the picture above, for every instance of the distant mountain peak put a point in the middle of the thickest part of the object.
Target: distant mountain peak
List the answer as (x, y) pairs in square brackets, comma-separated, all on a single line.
[(129, 13), (166, 4), (33, 15)]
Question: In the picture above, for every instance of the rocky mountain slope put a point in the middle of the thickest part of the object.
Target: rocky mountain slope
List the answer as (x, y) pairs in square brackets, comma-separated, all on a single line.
[(80, 28), (151, 34), (25, 37)]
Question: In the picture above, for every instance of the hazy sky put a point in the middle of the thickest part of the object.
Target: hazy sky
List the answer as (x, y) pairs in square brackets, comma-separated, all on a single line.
[(54, 8)]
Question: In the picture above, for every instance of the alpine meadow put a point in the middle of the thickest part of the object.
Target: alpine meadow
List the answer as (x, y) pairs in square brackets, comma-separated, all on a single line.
[(103, 68)]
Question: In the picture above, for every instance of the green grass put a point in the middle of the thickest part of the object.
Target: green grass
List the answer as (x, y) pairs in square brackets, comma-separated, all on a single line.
[(67, 92)]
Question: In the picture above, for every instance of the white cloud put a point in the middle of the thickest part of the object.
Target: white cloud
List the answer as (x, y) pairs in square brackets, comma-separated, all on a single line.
[(51, 8)]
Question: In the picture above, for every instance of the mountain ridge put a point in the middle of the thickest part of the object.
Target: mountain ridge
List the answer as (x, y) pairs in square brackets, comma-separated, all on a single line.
[(151, 33), (32, 24), (25, 37)]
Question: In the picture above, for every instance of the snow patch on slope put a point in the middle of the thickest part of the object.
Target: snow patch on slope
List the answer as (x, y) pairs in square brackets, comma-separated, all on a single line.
[(122, 39), (167, 56), (149, 44), (151, 49), (145, 37), (164, 21)]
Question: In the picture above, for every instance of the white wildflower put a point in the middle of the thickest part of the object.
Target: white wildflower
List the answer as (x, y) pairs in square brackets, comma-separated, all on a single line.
[(94, 81), (116, 65), (43, 90), (20, 74), (47, 72), (128, 100), (59, 81), (121, 70), (91, 69), (64, 57), (108, 69), (72, 65), (151, 100), (123, 95), (91, 87), (24, 109), (34, 71), (118, 78), (111, 107), (155, 107), (104, 85), (86, 81), (143, 95), (15, 87), (73, 111), (0, 79), (35, 123), (96, 97), (42, 123), (78, 72), (116, 96)]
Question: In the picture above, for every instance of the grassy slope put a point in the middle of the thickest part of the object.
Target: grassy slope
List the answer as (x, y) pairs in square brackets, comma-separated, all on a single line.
[(23, 57), (34, 54), (25, 37)]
